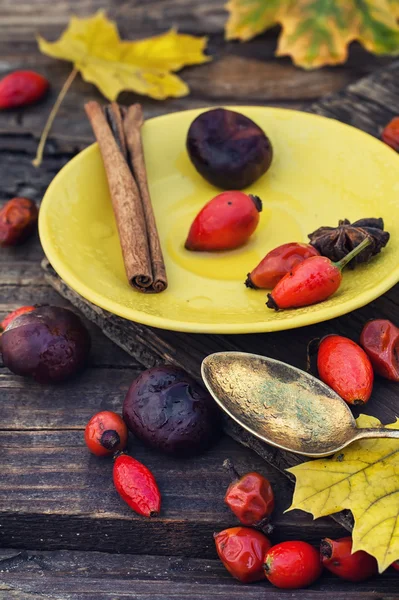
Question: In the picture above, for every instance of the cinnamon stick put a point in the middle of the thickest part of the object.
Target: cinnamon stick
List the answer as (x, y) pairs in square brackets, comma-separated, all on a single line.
[(126, 201), (114, 116), (132, 124)]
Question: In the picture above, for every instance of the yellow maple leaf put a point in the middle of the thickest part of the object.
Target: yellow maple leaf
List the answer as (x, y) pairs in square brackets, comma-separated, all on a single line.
[(363, 478), (145, 66), (316, 32)]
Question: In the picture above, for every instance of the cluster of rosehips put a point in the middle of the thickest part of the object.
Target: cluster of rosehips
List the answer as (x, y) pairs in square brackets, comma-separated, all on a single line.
[(249, 556), (18, 217), (106, 434), (297, 274), (348, 368)]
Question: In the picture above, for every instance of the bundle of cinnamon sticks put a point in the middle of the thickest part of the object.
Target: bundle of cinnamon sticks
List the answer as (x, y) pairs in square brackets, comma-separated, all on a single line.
[(118, 133)]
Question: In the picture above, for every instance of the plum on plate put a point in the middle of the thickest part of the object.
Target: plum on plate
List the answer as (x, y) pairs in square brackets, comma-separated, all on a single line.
[(228, 149), (169, 411), (49, 344)]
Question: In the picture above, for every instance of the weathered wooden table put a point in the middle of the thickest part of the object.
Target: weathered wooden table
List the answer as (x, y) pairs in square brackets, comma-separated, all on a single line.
[(64, 533)]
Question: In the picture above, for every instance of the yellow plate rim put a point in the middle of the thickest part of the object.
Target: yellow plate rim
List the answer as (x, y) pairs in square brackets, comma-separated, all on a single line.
[(131, 314)]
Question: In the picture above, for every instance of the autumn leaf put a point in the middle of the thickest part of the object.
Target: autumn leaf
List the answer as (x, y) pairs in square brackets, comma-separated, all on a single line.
[(145, 66), (363, 478), (316, 32)]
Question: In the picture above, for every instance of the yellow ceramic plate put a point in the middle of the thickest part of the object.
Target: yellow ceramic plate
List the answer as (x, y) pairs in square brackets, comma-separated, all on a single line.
[(322, 171)]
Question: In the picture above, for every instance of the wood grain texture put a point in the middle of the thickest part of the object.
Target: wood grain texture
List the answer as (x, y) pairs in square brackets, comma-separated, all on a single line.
[(35, 575), (238, 74), (54, 494)]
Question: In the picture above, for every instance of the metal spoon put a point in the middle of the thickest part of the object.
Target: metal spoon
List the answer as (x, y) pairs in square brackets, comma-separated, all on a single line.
[(282, 405)]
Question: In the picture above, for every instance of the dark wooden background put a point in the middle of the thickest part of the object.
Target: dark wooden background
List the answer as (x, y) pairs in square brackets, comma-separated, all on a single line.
[(61, 522)]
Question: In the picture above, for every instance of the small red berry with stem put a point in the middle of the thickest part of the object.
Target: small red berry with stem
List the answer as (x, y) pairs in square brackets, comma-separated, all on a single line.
[(311, 281), (292, 565), (106, 433), (224, 223), (337, 557), (250, 497), (242, 550)]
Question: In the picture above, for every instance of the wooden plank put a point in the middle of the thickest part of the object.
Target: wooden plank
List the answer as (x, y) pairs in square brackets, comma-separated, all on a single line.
[(188, 350), (65, 498), (35, 575), (238, 73)]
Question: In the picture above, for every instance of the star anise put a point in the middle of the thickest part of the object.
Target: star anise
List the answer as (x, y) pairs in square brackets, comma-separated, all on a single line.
[(336, 242)]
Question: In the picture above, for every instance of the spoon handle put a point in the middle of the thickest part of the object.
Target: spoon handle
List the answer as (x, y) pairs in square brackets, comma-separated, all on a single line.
[(378, 432)]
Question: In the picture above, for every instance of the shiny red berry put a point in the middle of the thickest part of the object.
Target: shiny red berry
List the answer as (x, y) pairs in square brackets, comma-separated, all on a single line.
[(337, 557), (21, 88), (106, 433), (311, 281), (277, 263), (136, 485), (346, 368), (292, 565), (242, 550), (226, 222)]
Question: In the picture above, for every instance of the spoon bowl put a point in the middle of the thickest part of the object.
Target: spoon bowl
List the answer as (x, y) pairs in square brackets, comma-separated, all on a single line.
[(282, 405)]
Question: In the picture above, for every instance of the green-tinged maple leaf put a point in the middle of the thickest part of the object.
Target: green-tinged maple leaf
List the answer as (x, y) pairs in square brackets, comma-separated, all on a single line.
[(318, 32), (363, 478)]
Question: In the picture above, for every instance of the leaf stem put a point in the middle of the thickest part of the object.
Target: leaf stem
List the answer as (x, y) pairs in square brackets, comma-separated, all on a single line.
[(43, 138)]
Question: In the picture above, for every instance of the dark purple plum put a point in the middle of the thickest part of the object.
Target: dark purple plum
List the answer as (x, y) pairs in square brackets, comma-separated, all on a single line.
[(169, 411), (50, 344), (228, 149)]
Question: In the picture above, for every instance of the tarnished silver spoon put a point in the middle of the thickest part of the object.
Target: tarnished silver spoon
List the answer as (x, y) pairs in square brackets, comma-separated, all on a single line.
[(282, 405)]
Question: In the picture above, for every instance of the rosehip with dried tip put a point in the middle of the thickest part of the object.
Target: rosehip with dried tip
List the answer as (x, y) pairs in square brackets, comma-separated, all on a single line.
[(292, 565), (225, 223), (250, 497), (242, 550), (105, 433), (21, 88), (346, 368), (136, 485), (337, 557), (277, 263), (380, 340), (18, 219), (311, 281)]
